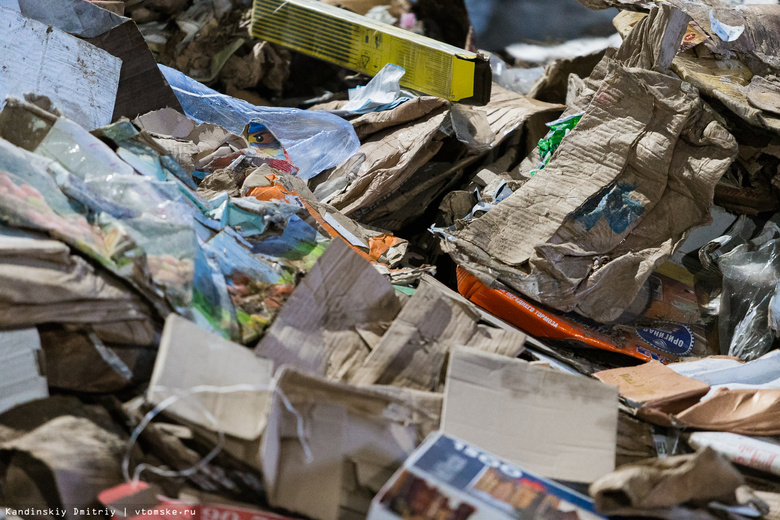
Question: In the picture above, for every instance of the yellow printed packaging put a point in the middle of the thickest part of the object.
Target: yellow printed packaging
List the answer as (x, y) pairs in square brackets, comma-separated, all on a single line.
[(364, 45)]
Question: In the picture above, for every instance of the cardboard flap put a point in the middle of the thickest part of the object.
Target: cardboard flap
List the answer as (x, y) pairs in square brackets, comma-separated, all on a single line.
[(189, 357)]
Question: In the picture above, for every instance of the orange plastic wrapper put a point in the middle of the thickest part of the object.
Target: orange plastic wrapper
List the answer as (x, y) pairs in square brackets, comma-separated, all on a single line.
[(663, 342)]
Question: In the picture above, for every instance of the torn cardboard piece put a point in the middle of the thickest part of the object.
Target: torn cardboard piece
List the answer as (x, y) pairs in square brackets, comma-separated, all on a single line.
[(618, 195), (413, 351), (557, 425), (655, 389), (79, 78), (23, 376), (389, 158), (654, 41), (342, 291), (221, 386), (329, 447)]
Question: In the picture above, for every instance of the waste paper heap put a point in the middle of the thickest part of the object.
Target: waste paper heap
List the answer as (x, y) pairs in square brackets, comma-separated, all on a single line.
[(329, 260)]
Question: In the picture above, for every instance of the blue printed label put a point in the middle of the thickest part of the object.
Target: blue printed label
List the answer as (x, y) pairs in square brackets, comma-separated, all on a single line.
[(678, 340)]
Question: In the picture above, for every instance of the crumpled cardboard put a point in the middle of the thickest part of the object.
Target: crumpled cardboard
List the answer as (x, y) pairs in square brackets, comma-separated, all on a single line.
[(664, 483), (620, 193), (355, 437), (413, 351), (743, 411), (397, 173), (557, 425), (341, 292), (389, 158)]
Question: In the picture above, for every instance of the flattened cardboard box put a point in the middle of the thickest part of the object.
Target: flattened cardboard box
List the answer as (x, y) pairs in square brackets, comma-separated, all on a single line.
[(359, 43), (450, 478), (557, 425)]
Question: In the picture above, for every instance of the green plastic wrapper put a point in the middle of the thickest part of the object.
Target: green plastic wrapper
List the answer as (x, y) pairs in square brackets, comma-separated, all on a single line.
[(558, 130)]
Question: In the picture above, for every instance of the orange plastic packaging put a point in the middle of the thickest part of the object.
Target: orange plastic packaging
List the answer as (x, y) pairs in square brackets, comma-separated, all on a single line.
[(665, 342)]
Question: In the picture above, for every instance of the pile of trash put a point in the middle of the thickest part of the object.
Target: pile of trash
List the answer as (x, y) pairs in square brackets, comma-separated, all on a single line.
[(366, 275)]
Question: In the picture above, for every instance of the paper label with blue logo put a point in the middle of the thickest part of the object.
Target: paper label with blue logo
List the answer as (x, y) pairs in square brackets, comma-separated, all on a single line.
[(450, 479)]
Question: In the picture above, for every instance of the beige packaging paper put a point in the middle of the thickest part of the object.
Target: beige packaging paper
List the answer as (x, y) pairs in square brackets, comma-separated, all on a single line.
[(558, 425)]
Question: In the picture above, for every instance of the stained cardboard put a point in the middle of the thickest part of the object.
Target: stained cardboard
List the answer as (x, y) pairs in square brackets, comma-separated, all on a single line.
[(557, 425)]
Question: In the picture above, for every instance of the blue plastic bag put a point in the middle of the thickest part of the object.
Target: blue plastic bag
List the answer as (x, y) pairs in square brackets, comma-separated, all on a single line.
[(315, 140)]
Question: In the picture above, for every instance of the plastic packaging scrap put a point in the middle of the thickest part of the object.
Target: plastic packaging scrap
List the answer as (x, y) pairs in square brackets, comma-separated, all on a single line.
[(315, 141), (514, 79), (751, 277), (383, 92), (559, 129)]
